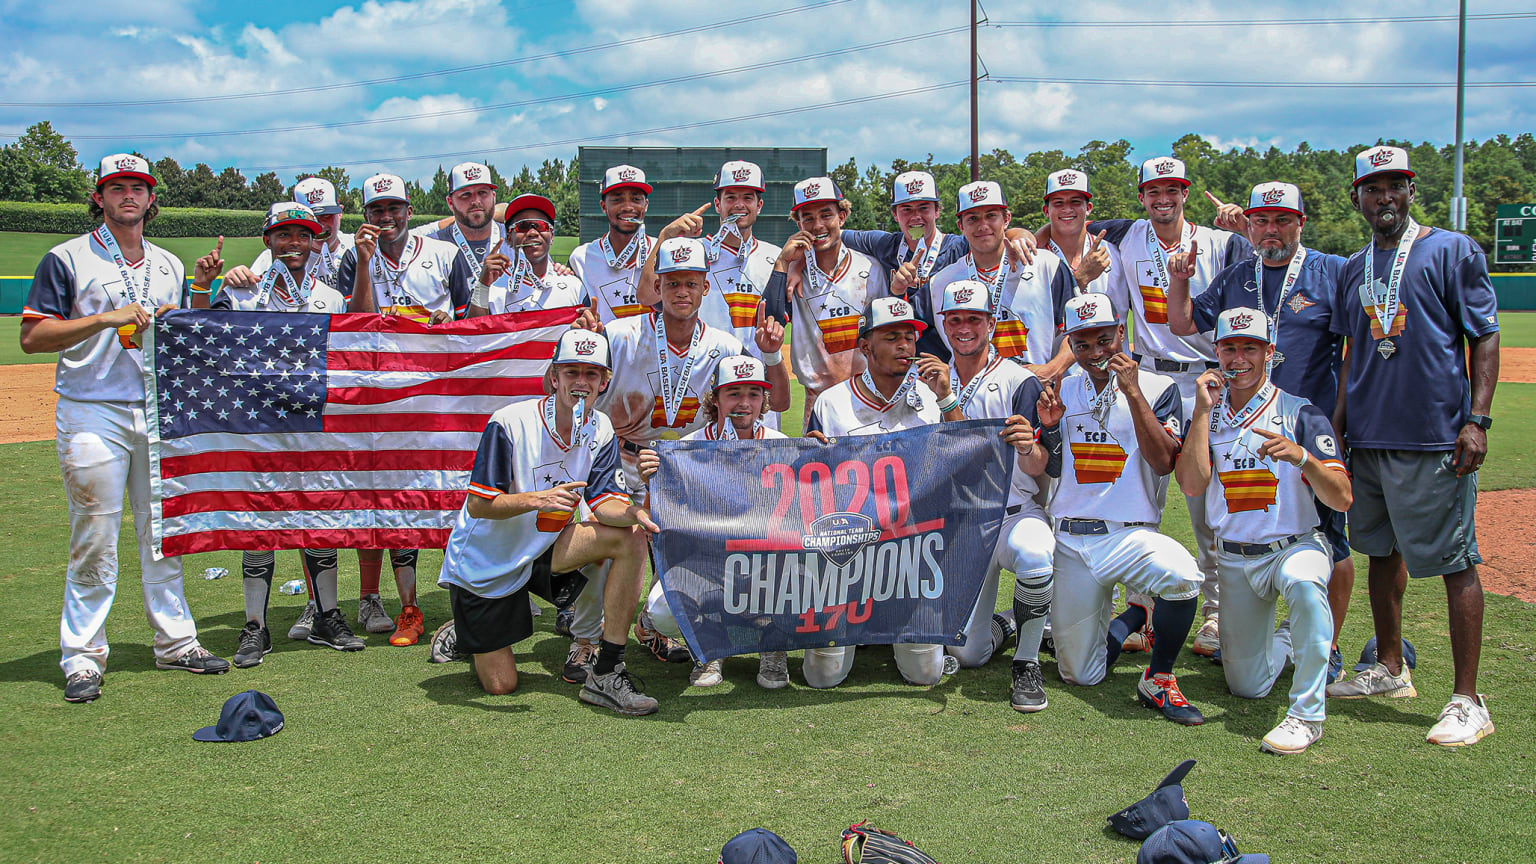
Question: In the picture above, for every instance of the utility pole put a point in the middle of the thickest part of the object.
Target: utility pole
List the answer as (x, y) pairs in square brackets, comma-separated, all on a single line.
[(1458, 200), (975, 139)]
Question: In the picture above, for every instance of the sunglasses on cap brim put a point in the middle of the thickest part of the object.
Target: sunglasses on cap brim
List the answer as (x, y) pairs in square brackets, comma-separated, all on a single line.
[(539, 225)]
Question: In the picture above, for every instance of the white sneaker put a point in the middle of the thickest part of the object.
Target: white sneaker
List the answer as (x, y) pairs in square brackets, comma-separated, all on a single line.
[(1294, 735), (1375, 681), (1463, 721), (707, 675), (1207, 638)]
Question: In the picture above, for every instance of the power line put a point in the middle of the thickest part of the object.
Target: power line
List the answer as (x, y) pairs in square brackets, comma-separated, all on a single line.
[(1273, 22), (1277, 85), (608, 136), (621, 88), (435, 73)]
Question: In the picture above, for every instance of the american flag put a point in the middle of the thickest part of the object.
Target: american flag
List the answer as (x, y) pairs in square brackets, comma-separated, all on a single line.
[(273, 430)]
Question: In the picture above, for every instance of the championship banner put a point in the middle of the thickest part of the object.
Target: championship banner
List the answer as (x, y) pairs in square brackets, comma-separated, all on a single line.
[(784, 544), (295, 430)]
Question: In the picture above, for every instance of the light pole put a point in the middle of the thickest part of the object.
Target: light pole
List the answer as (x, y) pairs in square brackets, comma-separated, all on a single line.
[(1459, 201)]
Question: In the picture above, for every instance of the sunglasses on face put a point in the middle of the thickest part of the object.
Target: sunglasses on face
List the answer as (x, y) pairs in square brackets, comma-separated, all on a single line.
[(523, 225)]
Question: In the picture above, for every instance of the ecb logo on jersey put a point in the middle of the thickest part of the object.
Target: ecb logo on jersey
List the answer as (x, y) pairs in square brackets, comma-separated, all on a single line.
[(1164, 167), (1068, 178), (978, 194), (471, 173), (1380, 157), (627, 175), (914, 186), (382, 185), (741, 175), (1085, 311), (1273, 196), (586, 347)]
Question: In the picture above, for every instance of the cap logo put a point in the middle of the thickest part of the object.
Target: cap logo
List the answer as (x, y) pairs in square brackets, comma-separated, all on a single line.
[(964, 295), (1380, 157), (472, 174), (741, 175), (314, 196), (1085, 311), (681, 254), (585, 347), (127, 163), (1068, 178), (900, 310), (1242, 322), (979, 193), (627, 174), (914, 186), (811, 190), (1273, 196), (1164, 167), (741, 370), (382, 185)]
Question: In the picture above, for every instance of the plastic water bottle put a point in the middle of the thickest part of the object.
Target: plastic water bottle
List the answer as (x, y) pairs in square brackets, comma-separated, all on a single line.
[(293, 586), (215, 573)]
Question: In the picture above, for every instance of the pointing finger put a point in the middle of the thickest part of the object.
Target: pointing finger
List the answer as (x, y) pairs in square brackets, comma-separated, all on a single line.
[(1268, 434), (217, 249), (1098, 238), (1213, 198), (703, 207)]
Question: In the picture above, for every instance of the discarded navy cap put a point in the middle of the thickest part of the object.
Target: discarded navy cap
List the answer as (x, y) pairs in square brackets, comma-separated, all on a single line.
[(1368, 655), (757, 846), (1193, 842), (1166, 804), (245, 717)]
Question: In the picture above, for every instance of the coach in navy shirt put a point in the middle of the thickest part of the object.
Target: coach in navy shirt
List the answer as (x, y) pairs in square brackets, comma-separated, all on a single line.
[(1409, 303)]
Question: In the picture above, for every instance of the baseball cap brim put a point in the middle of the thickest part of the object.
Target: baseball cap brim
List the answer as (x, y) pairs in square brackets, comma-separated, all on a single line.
[(314, 227), (331, 210), (529, 201), (1179, 180), (814, 201), (208, 733), (1250, 210), (1088, 195), (137, 175), (631, 184), (761, 382), (919, 326), (1365, 177)]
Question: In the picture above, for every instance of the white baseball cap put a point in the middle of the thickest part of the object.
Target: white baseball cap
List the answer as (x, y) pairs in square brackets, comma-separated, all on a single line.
[(469, 174), (1162, 168), (290, 213), (888, 312), (1242, 322), (746, 175), (1275, 196), (1380, 160), (982, 193), (741, 369), (966, 295), (318, 194), (815, 190), (680, 254), (624, 177), (1087, 311), (582, 346), (124, 165), (384, 187), (914, 186), (1067, 180)]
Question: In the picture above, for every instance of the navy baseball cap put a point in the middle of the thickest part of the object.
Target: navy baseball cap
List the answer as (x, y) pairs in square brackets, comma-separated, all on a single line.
[(1368, 655), (1166, 804), (246, 717), (1193, 842), (757, 846)]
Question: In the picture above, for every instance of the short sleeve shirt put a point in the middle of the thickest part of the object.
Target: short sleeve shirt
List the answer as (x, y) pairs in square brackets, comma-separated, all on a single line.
[(1102, 473), (430, 277)]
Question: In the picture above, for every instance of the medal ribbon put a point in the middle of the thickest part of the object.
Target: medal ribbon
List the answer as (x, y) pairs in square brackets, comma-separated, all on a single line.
[(136, 293), (394, 285), (639, 246), (1292, 273), (994, 285), (492, 244), (290, 294), (1386, 305), (1160, 258), (1100, 403), (905, 391), (716, 240), (728, 430), (1076, 289), (975, 382), (926, 254), (672, 395), (1249, 412), (819, 279), (579, 419)]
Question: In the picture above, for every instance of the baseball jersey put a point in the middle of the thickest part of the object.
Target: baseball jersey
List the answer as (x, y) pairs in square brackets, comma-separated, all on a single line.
[(823, 342), (999, 391), (614, 288), (845, 410), (322, 297), (634, 400), (78, 278), (1102, 473), (521, 452), (1146, 281), (736, 283), (326, 263), (1307, 352), (708, 434), (551, 292), (888, 249), (1109, 282), (1258, 500), (476, 249), (430, 277), (1419, 397), (1027, 309)]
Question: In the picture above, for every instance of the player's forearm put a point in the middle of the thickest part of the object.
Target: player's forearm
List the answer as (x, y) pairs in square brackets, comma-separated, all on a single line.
[(362, 297), (1485, 372), (50, 335), (779, 398), (1181, 310), (1193, 469), (1035, 461), (617, 514), (1156, 445), (1057, 366), (1330, 485), (503, 506)]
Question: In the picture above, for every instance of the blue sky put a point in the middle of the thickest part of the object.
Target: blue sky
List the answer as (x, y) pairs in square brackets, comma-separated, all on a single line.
[(181, 50)]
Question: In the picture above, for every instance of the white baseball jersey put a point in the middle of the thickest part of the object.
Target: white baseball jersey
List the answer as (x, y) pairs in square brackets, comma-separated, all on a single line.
[(78, 278), (521, 452), (736, 283), (1109, 282), (1147, 285), (634, 398), (614, 288), (430, 277), (1102, 473), (825, 334), (551, 292), (322, 297), (708, 434), (326, 263), (1257, 500), (1002, 389), (1026, 308), (845, 410)]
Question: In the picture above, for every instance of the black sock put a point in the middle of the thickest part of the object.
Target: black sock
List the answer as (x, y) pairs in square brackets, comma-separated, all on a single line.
[(609, 655), (1171, 620), (1120, 629)]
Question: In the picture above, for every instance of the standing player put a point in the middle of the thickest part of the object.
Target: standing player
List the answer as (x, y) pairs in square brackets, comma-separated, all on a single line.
[(319, 195), (610, 266), (474, 230), (88, 299), (1267, 458), (1095, 265), (290, 285), (989, 387), (525, 280), (889, 395), (1409, 302), (539, 463), (1297, 297), (1117, 428)]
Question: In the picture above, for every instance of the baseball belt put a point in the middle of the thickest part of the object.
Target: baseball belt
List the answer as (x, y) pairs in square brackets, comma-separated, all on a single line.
[(1161, 365), (1257, 550), (1093, 526)]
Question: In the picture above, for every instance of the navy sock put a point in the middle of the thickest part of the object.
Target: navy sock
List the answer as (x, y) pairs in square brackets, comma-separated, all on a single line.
[(1128, 622), (1171, 620), (609, 655)]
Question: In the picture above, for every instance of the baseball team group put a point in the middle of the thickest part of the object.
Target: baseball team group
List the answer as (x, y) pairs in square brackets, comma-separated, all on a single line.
[(1306, 404)]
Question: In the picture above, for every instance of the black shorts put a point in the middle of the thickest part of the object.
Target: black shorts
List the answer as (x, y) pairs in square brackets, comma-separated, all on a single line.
[(486, 624)]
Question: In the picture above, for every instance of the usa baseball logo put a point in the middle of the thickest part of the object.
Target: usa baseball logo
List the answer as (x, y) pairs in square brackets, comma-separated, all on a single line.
[(1273, 196), (741, 370), (811, 190), (964, 295), (914, 186), (586, 347), (1380, 157), (741, 175), (1085, 311), (627, 174), (900, 309), (1242, 322), (314, 196), (382, 185), (1068, 178), (979, 194), (1164, 167), (681, 254), (472, 174), (127, 164)]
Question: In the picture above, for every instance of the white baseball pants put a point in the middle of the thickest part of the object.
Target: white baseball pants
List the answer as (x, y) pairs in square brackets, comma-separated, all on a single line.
[(1252, 657)]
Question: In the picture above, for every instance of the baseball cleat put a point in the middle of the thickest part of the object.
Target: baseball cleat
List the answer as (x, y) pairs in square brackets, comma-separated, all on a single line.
[(563, 621), (371, 615), (1161, 693), (82, 686), (255, 643), (1028, 687), (1335, 665), (951, 665), (1292, 737), (1208, 637), (773, 670), (330, 629), (578, 663), (666, 650), (445, 644), (616, 692), (409, 626), (1462, 721), (196, 659), (300, 629), (707, 675), (1141, 640), (1375, 681)]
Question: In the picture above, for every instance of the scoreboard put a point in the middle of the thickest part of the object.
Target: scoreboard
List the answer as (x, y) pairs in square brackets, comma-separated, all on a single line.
[(1515, 234)]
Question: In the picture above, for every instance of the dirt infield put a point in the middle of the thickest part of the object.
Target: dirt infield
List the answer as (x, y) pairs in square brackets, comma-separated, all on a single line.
[(26, 390)]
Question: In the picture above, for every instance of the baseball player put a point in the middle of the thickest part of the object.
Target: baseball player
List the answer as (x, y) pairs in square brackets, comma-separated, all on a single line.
[(289, 285), (990, 387), (1297, 298), (319, 195), (474, 231), (736, 407), (1117, 428), (1266, 457), (518, 275), (1024, 296), (88, 298), (891, 393), (839, 282), (610, 266), (1095, 265), (1410, 302), (390, 271), (539, 463)]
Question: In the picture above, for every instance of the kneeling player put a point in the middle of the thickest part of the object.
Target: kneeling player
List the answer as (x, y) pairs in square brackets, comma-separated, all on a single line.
[(1262, 455), (1117, 428), (735, 406), (539, 462)]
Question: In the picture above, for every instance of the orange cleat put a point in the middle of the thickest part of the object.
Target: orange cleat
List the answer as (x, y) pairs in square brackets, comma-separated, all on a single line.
[(409, 626)]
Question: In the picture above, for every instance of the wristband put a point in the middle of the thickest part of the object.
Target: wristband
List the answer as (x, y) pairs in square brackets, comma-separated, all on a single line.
[(773, 359), (1304, 457), (194, 289), (480, 295), (949, 404)]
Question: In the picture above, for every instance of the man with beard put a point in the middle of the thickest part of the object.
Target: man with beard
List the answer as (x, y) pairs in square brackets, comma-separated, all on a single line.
[(610, 267), (474, 230)]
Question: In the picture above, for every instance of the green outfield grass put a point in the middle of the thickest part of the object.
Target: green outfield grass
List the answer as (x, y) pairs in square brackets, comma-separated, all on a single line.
[(1517, 329)]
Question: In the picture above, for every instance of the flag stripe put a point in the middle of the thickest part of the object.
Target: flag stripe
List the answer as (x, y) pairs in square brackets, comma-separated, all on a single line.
[(442, 362), (299, 481), (238, 463), (361, 499), (482, 406), (405, 422), (347, 538), (435, 387)]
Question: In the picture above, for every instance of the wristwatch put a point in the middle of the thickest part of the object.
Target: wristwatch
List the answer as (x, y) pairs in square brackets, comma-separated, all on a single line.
[(1482, 421)]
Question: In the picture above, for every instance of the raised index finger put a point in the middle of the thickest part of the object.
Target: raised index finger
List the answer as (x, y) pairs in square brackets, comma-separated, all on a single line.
[(575, 484), (703, 207), (219, 247), (1268, 434), (1213, 199)]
